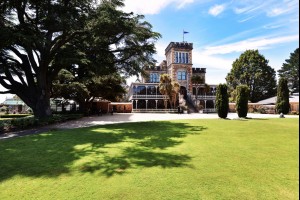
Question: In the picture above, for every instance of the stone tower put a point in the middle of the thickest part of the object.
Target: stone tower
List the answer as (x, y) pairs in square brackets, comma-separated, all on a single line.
[(179, 64)]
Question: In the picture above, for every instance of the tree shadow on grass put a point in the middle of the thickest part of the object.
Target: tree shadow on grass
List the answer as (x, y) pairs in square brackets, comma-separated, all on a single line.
[(105, 150), (245, 119)]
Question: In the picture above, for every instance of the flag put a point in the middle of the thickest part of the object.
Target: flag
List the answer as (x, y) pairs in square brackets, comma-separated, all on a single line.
[(185, 32)]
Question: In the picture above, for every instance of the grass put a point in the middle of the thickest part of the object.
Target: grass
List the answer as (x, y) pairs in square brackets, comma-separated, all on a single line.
[(184, 159)]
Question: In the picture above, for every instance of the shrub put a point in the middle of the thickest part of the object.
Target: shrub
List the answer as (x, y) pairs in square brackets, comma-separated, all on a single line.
[(24, 122), (262, 110), (2, 126), (222, 101), (242, 100), (294, 113)]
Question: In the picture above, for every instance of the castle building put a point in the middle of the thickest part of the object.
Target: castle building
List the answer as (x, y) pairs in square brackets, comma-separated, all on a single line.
[(145, 95)]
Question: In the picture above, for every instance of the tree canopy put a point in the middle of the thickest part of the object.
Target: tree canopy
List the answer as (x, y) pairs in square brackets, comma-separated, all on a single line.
[(290, 71), (39, 38), (252, 69)]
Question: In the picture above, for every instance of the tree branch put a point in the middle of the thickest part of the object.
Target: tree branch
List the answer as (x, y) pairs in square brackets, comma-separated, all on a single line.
[(25, 66), (4, 84), (6, 92), (19, 75)]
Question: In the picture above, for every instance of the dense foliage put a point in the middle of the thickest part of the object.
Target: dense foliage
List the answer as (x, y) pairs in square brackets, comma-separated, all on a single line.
[(290, 71), (84, 91), (242, 100), (222, 101), (252, 69), (282, 102), (39, 38)]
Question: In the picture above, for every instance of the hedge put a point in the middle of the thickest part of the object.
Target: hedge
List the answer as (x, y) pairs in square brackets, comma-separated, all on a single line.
[(31, 121), (14, 115)]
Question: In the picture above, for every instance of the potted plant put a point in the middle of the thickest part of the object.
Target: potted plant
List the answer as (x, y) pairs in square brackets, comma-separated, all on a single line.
[(200, 108), (184, 109)]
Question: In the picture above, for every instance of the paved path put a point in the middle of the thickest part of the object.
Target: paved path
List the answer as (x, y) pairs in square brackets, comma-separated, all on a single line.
[(125, 118)]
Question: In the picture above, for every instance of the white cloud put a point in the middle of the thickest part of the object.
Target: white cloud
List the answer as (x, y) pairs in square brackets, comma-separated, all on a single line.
[(252, 43), (201, 59), (247, 19), (184, 3), (276, 11), (271, 8), (242, 10), (216, 9), (154, 6)]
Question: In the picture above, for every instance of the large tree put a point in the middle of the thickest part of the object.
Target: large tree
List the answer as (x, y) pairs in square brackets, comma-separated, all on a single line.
[(290, 71), (84, 91), (252, 69), (32, 33), (39, 38)]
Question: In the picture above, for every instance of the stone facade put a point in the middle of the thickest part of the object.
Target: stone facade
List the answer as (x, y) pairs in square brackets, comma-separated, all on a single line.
[(145, 95)]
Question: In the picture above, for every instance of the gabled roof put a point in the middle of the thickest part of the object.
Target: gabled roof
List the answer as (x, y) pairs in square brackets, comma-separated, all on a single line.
[(13, 102), (294, 98)]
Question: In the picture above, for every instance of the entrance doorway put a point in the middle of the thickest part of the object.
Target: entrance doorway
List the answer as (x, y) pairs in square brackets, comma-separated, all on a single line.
[(183, 92)]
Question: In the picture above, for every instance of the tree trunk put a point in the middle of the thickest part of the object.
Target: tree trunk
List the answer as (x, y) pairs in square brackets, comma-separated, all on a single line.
[(37, 100), (42, 108), (84, 107)]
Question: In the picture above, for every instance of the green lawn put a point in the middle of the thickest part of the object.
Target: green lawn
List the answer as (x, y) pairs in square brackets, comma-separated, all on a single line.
[(186, 159)]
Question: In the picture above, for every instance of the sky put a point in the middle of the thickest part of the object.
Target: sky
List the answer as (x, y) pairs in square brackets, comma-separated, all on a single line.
[(222, 30)]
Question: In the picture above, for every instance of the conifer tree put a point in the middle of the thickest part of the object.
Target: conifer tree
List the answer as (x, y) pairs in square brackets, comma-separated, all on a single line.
[(242, 100), (222, 101), (282, 102)]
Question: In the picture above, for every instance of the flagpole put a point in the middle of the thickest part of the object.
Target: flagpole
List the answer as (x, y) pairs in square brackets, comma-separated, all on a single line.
[(183, 35)]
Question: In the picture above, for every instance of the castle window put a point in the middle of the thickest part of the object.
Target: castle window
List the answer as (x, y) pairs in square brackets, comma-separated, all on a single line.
[(186, 57), (180, 60), (181, 75), (181, 57), (154, 78)]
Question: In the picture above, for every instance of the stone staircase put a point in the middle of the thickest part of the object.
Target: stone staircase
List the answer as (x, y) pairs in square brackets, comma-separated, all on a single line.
[(191, 106)]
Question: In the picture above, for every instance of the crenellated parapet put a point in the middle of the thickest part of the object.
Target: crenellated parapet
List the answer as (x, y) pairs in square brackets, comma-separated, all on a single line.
[(179, 45)]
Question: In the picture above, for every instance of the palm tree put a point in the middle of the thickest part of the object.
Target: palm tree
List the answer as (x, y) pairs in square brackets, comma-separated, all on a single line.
[(169, 88), (175, 91)]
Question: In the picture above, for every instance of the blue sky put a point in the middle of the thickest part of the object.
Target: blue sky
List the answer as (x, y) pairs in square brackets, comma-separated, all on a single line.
[(222, 30)]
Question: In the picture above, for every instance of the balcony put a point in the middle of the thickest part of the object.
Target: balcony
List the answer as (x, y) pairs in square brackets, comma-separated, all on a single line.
[(155, 97)]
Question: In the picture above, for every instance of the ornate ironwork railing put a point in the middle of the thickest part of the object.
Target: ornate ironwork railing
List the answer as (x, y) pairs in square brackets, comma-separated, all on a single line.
[(154, 110), (204, 97), (148, 97), (209, 110)]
